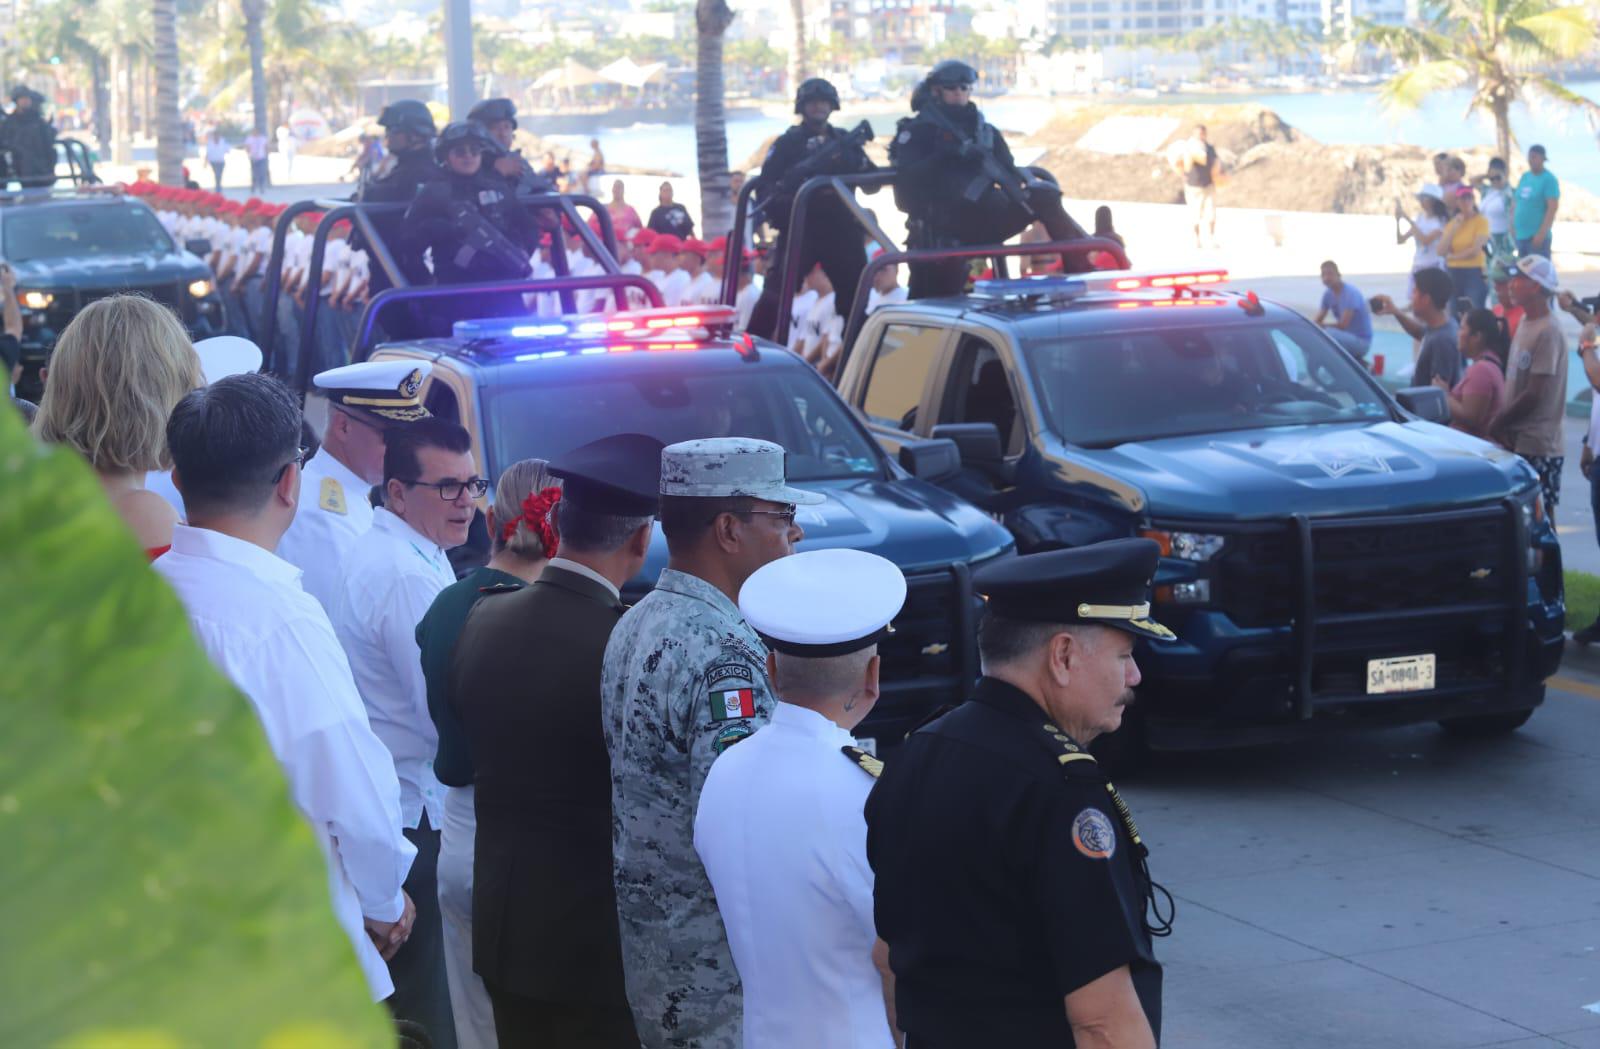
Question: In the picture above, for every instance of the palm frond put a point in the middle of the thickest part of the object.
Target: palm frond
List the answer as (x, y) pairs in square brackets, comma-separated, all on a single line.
[(1407, 43), (1565, 32), (1555, 91), (1408, 88)]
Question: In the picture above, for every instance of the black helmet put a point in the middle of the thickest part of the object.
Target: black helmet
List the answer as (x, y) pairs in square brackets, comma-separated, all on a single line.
[(463, 131), (22, 91), (952, 73), (410, 116), (492, 109), (816, 87)]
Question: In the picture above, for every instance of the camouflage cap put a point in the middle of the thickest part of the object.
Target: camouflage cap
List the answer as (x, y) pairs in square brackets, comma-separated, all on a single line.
[(727, 467)]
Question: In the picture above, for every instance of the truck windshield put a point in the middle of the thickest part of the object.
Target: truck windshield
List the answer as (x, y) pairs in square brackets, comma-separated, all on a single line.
[(792, 407), (72, 232), (1108, 388)]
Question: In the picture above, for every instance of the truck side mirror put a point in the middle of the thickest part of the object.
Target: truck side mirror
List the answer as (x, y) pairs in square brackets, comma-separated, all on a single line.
[(1425, 402), (932, 460), (980, 448), (199, 246)]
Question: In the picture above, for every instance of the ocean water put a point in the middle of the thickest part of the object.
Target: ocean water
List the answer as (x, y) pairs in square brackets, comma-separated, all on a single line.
[(1353, 117)]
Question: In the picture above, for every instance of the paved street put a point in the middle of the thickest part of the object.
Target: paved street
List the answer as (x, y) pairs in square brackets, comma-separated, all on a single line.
[(1389, 890)]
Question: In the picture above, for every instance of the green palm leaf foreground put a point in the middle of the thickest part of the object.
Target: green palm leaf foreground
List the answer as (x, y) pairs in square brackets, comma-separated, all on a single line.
[(159, 889), (1503, 51)]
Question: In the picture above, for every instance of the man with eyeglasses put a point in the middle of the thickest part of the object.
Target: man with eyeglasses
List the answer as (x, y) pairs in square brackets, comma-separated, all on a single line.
[(237, 463), (364, 401), (390, 580), (684, 678)]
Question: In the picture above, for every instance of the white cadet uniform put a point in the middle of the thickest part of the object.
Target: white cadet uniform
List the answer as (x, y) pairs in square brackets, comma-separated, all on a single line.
[(703, 291), (390, 581), (790, 871), (875, 299), (674, 286), (334, 512), (275, 643), (749, 295)]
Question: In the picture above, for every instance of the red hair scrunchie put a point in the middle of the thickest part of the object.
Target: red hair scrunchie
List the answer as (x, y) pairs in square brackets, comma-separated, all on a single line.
[(536, 515)]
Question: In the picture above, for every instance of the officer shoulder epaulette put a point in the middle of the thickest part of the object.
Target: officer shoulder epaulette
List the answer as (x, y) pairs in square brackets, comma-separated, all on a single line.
[(867, 763), (331, 496)]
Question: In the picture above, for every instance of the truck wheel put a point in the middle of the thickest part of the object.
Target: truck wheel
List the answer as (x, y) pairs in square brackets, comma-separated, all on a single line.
[(1486, 724)]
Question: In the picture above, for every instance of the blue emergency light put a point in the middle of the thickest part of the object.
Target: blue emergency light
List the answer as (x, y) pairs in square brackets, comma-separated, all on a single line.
[(1019, 287)]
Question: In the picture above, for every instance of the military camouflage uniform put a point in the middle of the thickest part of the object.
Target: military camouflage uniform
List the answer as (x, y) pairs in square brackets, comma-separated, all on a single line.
[(684, 678)]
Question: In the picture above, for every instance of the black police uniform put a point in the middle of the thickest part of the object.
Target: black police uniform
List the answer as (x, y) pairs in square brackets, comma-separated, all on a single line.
[(831, 236), (1008, 872), (401, 175), (945, 157), (30, 141), (525, 181)]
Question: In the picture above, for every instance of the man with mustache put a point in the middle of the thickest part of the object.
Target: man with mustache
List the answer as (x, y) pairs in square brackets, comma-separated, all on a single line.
[(1011, 884)]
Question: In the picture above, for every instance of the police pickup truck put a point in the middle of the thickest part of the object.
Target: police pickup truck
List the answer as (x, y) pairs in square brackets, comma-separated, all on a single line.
[(70, 247), (539, 386), (1330, 558)]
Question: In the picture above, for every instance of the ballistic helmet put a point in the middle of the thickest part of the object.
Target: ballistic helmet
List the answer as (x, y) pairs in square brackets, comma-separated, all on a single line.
[(952, 73), (816, 87), (464, 132), (492, 109), (410, 116)]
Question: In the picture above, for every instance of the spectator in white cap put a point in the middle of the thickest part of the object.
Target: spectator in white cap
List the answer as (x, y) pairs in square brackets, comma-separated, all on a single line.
[(1536, 378), (684, 678), (791, 876), (220, 357), (364, 401)]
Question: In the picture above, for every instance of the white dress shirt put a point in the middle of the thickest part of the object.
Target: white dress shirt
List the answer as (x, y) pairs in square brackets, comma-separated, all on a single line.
[(781, 833), (390, 579), (275, 643), (334, 512)]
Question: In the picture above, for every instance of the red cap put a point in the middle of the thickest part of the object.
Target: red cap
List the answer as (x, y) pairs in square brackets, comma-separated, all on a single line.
[(667, 242), (644, 238), (720, 245), (696, 247)]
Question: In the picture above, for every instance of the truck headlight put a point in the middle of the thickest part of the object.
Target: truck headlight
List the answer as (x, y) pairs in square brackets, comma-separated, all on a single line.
[(1197, 592), (1187, 546), (36, 300), (199, 289)]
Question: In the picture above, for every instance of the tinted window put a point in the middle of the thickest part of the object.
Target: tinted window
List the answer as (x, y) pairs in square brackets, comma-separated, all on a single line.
[(1104, 389), (906, 354), (59, 233), (794, 408)]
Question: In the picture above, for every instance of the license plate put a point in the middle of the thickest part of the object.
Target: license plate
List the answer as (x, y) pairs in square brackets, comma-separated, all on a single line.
[(1400, 674)]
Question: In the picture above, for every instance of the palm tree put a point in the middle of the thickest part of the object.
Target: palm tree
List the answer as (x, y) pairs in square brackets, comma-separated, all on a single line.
[(711, 19), (54, 31), (798, 63), (121, 30), (1496, 48), (254, 11), (169, 125)]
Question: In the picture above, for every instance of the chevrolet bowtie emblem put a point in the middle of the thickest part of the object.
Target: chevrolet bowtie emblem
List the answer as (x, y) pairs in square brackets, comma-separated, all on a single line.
[(1479, 574), (938, 648)]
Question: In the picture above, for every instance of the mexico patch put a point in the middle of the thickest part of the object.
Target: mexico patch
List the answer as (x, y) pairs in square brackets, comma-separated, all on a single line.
[(733, 703), (1093, 834)]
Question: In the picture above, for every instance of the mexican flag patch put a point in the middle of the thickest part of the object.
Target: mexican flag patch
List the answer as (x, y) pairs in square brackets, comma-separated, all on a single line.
[(733, 703)]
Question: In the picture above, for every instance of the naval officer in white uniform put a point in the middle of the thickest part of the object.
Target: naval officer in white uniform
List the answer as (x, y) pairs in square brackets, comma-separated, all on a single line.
[(780, 828), (364, 401)]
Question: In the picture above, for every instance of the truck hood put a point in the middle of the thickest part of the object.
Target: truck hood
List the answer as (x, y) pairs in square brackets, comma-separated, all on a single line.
[(110, 271), (1360, 468), (912, 523)]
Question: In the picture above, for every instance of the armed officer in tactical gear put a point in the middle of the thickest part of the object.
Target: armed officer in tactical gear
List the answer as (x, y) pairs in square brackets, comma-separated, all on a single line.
[(28, 141), (499, 117), (471, 219), (831, 237), (958, 184), (409, 132)]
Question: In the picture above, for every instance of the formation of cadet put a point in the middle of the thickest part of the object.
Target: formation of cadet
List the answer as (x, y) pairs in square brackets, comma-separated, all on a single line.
[(27, 140), (812, 147), (958, 183)]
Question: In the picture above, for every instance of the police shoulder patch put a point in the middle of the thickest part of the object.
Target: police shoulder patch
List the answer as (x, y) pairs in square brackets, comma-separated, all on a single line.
[(868, 764), (728, 736), (1093, 834), (331, 497)]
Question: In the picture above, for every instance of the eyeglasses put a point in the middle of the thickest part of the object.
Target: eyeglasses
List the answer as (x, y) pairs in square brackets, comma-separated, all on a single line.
[(451, 490), (786, 515), (299, 460), (957, 87)]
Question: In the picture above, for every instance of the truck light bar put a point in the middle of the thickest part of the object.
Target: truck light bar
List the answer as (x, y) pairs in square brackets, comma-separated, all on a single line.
[(629, 324), (1131, 281), (1018, 287)]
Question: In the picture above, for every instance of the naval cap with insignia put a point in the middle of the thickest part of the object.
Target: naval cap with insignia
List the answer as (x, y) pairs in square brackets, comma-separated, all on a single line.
[(389, 390), (730, 467), (1104, 583), (823, 603), (619, 475)]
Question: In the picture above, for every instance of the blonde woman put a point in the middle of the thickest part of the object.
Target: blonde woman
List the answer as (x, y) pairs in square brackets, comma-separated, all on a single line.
[(522, 529), (114, 377)]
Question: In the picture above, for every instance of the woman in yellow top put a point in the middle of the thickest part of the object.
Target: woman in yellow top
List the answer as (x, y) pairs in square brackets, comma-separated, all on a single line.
[(1464, 239)]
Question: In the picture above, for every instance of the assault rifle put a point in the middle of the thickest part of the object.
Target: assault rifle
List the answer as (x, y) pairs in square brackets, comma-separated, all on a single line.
[(482, 249), (791, 181), (1009, 180)]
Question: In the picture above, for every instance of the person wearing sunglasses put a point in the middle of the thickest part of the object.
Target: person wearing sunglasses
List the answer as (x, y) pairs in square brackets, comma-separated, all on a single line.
[(237, 462), (1495, 203), (364, 401), (390, 580), (685, 678)]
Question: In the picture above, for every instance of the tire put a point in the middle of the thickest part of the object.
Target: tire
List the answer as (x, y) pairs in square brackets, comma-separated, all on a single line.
[(1485, 725)]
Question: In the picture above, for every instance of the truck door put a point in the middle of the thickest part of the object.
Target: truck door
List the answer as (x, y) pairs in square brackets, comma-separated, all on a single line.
[(907, 361)]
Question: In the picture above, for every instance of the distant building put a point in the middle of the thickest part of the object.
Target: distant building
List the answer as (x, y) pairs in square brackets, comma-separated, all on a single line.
[(1102, 23)]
